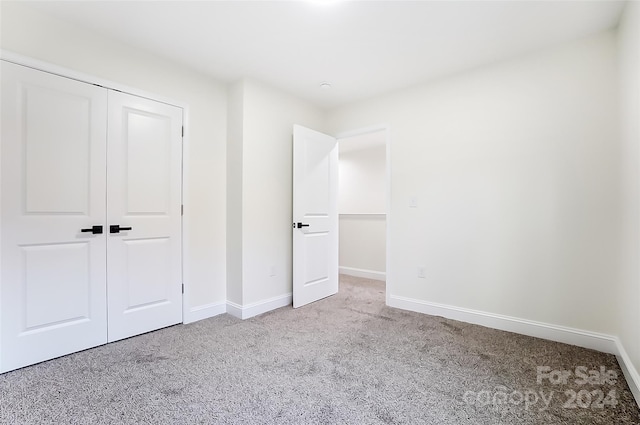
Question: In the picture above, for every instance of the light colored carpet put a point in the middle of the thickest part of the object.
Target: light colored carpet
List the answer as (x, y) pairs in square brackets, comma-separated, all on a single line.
[(347, 359)]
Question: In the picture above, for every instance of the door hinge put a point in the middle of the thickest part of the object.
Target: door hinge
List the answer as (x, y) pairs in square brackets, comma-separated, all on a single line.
[(183, 288), (181, 209), (182, 131)]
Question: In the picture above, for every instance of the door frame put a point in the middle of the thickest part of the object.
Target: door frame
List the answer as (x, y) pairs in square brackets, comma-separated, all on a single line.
[(387, 132), (61, 71)]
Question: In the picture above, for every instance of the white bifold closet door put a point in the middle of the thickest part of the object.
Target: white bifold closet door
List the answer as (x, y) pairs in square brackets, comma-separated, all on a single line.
[(77, 159)]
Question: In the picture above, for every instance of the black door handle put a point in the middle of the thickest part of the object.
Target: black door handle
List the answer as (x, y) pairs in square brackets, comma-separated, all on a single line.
[(115, 228), (300, 225), (96, 230)]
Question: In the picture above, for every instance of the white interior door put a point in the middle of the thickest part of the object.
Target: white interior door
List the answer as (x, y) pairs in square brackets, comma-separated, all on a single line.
[(315, 215), (52, 279), (144, 265)]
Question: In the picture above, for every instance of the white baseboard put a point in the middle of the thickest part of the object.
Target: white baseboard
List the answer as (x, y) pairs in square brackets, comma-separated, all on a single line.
[(204, 312), (367, 274), (586, 339), (253, 309), (630, 372), (234, 309)]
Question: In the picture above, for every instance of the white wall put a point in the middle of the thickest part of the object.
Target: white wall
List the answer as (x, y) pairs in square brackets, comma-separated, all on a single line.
[(268, 116), (363, 245), (362, 206), (40, 37), (362, 179), (628, 301), (514, 170)]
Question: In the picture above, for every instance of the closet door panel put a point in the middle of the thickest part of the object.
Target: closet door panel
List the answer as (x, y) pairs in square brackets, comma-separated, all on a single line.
[(143, 198), (53, 275)]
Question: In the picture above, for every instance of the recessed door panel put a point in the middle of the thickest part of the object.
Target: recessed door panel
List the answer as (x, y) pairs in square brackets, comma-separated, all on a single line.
[(148, 154), (52, 274), (58, 275), (56, 143), (317, 167), (148, 272), (316, 248)]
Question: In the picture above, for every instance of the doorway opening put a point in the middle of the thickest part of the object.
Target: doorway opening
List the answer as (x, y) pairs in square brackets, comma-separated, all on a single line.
[(363, 204)]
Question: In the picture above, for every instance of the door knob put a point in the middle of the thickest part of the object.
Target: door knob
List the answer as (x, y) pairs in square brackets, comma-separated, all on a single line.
[(115, 228), (301, 225), (96, 230)]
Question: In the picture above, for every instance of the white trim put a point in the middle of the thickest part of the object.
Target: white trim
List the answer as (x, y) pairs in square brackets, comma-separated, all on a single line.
[(184, 220), (581, 338), (254, 309), (361, 131), (388, 282), (61, 71), (364, 215), (629, 371), (367, 274), (204, 312), (234, 309)]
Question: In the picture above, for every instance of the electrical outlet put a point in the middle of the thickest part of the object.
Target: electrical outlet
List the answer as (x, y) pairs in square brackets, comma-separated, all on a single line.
[(272, 271), (413, 202), (421, 272)]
